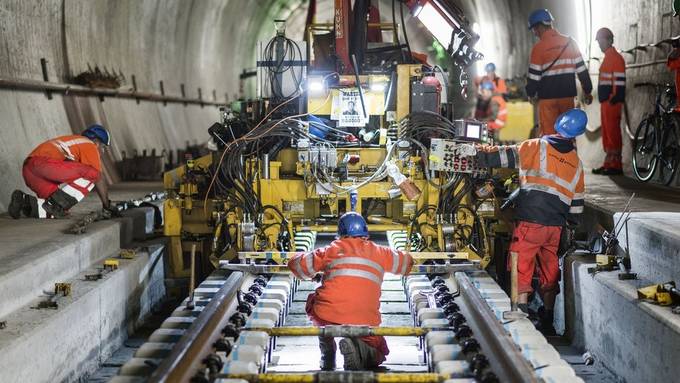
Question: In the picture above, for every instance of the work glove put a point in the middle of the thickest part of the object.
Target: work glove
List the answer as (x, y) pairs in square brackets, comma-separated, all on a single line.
[(533, 100), (588, 99)]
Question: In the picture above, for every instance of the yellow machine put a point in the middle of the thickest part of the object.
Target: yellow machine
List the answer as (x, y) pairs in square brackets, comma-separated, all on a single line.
[(372, 143)]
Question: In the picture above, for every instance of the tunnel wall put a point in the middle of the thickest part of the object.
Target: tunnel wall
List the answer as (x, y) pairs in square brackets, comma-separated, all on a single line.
[(199, 43)]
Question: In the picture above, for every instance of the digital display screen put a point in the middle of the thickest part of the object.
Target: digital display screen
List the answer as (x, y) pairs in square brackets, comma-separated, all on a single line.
[(473, 131)]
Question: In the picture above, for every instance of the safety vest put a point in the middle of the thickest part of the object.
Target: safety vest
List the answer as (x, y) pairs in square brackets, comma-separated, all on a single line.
[(612, 80), (353, 270), (548, 80), (551, 182), (498, 120), (72, 148)]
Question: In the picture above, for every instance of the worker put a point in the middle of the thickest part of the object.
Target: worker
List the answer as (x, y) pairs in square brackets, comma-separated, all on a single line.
[(499, 86), (493, 108), (555, 58), (550, 195), (61, 172), (353, 269), (611, 90), (673, 64)]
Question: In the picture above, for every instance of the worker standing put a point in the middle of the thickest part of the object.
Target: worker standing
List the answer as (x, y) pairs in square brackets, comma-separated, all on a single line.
[(353, 269), (555, 59), (499, 86), (611, 90), (550, 195), (61, 172), (491, 108)]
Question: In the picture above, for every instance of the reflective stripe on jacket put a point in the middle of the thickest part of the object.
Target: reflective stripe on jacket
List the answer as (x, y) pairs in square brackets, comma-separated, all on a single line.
[(353, 270), (72, 148), (612, 80), (556, 81), (551, 181)]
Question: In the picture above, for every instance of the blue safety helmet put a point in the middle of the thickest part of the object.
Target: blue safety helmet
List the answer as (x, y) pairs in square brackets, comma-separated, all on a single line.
[(488, 85), (98, 132), (352, 224), (571, 123), (490, 67), (540, 16)]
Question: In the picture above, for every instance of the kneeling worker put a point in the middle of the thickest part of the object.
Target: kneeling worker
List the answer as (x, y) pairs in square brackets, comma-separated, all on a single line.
[(551, 193), (61, 172), (353, 269)]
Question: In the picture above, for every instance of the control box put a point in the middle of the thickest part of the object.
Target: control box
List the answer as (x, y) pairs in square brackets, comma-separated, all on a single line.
[(452, 156)]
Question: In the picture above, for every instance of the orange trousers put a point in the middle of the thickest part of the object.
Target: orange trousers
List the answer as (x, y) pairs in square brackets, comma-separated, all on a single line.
[(549, 110), (611, 134), (536, 246)]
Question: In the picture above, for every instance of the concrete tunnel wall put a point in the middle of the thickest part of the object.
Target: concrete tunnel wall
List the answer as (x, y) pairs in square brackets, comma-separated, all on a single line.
[(207, 43)]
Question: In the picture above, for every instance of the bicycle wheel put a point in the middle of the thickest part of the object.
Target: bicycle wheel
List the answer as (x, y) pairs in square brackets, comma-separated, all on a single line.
[(645, 149), (670, 151)]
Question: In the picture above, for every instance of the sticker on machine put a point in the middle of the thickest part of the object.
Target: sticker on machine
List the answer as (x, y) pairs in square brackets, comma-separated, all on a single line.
[(348, 110)]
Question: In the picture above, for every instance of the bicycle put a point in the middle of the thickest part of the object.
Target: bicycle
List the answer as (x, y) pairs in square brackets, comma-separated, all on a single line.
[(656, 143)]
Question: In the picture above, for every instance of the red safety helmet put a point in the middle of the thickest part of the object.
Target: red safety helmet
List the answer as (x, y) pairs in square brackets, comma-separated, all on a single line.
[(604, 33)]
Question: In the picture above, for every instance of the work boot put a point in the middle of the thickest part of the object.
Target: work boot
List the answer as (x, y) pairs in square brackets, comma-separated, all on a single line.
[(599, 170), (64, 200), (18, 204), (327, 347), (357, 355), (546, 323), (612, 172), (53, 209)]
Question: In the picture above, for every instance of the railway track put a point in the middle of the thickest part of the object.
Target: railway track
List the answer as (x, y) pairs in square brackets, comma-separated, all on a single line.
[(250, 327)]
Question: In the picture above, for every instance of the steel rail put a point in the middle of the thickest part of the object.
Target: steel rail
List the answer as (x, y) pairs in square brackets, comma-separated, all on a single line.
[(341, 331), (186, 355), (505, 357), (66, 89), (283, 269)]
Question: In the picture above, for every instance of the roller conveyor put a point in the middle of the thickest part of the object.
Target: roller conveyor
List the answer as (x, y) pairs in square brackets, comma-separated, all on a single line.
[(443, 328)]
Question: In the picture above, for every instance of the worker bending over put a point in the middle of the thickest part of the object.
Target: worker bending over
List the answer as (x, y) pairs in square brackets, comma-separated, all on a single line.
[(353, 269), (551, 193), (61, 172), (491, 108), (611, 92), (554, 60), (499, 86)]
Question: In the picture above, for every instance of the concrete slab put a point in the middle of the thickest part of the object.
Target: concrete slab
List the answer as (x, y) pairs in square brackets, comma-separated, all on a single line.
[(34, 254), (66, 344), (636, 340)]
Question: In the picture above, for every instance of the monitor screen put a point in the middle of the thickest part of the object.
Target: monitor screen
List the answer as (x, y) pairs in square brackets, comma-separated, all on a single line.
[(473, 131)]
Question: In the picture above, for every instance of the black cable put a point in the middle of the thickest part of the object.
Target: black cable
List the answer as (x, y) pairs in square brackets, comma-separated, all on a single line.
[(403, 27)]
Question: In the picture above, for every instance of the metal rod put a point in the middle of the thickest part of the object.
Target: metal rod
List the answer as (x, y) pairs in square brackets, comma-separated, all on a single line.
[(421, 255), (187, 354), (340, 377), (283, 269), (514, 289), (40, 86), (347, 331), (192, 278), (505, 357)]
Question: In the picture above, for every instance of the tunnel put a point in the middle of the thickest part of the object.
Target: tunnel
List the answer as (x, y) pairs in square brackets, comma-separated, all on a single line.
[(142, 289)]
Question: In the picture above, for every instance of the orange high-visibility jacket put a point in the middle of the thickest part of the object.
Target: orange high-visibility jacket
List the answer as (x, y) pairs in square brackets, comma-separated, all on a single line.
[(556, 81), (498, 113), (499, 86), (612, 80), (353, 270), (72, 148), (550, 175)]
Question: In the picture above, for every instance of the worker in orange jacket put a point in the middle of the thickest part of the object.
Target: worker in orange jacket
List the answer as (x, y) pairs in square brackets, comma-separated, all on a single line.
[(555, 59), (499, 86), (611, 92), (673, 64), (61, 172), (550, 194), (491, 108), (353, 269)]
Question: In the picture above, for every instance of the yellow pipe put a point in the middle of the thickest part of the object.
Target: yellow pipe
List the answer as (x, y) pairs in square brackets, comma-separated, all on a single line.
[(343, 331), (311, 377), (334, 228)]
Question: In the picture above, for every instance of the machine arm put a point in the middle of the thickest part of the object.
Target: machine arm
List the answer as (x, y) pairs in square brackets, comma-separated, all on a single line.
[(449, 26)]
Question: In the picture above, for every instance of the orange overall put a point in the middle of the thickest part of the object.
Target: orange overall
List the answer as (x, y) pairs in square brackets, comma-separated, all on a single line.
[(611, 91)]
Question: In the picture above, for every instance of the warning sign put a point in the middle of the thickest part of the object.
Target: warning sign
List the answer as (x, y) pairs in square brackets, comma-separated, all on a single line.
[(347, 109)]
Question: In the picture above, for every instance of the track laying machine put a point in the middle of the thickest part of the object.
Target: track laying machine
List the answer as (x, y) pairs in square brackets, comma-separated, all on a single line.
[(344, 122)]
